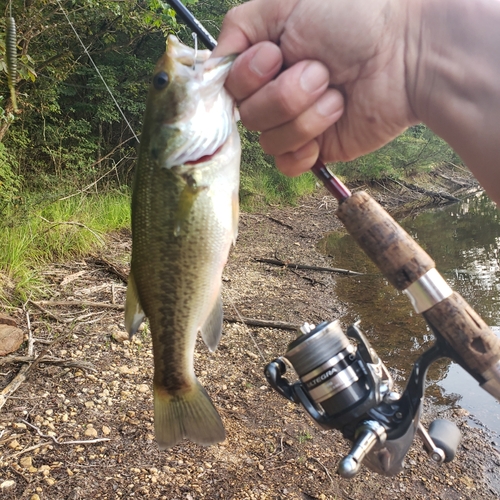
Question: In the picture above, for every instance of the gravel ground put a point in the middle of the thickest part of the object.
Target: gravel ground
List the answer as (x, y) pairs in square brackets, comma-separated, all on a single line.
[(82, 427)]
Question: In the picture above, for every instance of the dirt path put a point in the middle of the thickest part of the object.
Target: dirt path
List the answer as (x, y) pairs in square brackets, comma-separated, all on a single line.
[(272, 450)]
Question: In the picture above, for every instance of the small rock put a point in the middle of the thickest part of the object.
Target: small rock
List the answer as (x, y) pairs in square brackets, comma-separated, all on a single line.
[(106, 430), (7, 485), (35, 496), (45, 470), (50, 481), (120, 336), (26, 462), (7, 320), (14, 444), (49, 412), (143, 388), (90, 432), (10, 339), (19, 425)]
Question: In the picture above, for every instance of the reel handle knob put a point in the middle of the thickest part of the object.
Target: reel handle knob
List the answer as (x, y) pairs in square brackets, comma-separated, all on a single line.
[(367, 436)]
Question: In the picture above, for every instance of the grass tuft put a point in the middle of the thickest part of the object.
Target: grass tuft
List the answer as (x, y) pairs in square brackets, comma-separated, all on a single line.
[(60, 230)]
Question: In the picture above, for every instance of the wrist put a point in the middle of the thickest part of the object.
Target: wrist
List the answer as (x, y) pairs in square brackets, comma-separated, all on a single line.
[(453, 74)]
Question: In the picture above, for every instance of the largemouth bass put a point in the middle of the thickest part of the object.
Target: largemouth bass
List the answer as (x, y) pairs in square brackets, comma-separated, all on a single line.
[(184, 219)]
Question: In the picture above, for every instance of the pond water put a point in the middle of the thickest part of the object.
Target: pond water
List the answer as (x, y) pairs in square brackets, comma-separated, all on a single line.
[(463, 239)]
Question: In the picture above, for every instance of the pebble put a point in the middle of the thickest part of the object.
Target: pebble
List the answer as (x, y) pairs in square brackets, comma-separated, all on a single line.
[(90, 432), (14, 444), (106, 430), (7, 485), (50, 481), (26, 462), (120, 336), (35, 496), (143, 388)]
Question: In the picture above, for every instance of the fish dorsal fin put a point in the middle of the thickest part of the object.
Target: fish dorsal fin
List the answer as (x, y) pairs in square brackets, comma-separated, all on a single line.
[(134, 314), (211, 331)]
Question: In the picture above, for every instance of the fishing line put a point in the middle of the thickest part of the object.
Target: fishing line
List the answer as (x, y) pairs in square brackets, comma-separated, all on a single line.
[(98, 72)]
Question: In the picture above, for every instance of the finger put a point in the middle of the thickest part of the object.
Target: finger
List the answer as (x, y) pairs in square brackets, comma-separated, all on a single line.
[(300, 161), (311, 123), (254, 68), (286, 97), (252, 22)]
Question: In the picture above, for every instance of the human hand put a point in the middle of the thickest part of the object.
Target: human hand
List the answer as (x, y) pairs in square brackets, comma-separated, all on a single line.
[(343, 90)]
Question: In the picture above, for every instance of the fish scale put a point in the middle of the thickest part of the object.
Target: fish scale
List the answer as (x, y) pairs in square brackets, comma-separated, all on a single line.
[(184, 219)]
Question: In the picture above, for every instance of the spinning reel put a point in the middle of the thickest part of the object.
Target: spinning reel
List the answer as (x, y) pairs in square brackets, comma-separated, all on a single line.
[(347, 387)]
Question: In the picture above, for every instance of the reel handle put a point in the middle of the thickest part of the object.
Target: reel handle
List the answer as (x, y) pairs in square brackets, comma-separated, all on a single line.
[(409, 268)]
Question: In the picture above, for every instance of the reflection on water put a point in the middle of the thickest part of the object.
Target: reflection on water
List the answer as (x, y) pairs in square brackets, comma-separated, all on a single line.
[(463, 239)]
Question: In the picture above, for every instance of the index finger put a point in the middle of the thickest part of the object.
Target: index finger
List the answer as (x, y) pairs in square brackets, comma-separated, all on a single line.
[(252, 22)]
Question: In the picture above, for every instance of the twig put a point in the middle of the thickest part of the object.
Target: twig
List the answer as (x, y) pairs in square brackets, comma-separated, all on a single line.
[(281, 223), (84, 441), (281, 263), (307, 278), (280, 325), (31, 448), (49, 314), (14, 385), (50, 360), (71, 223), (112, 268), (324, 468), (30, 333), (80, 303)]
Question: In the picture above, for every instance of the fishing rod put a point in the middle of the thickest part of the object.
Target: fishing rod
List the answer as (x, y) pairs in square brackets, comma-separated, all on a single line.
[(342, 383)]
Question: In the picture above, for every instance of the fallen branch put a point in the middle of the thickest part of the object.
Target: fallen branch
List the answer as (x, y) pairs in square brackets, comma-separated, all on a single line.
[(281, 263), (79, 303), (112, 268), (56, 441), (14, 385), (433, 194), (49, 314), (71, 223), (280, 325), (50, 360), (281, 223)]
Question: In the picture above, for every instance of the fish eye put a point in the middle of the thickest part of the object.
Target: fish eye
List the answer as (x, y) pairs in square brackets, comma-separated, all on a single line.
[(160, 80)]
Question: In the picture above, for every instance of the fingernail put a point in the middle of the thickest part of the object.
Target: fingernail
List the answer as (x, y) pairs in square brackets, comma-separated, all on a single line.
[(329, 103), (262, 62), (314, 76)]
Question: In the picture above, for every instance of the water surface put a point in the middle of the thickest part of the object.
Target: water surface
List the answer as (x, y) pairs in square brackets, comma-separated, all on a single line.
[(463, 239)]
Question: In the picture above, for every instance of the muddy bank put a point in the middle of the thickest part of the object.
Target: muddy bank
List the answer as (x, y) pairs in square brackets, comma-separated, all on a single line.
[(101, 389)]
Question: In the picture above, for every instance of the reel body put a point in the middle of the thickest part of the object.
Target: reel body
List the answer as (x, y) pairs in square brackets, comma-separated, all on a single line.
[(347, 387)]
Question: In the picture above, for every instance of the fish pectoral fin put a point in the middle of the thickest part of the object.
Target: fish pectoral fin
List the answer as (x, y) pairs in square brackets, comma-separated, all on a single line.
[(134, 315), (211, 331), (189, 414)]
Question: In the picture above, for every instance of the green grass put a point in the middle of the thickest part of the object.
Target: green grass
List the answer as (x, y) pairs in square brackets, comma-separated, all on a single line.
[(59, 230), (269, 187)]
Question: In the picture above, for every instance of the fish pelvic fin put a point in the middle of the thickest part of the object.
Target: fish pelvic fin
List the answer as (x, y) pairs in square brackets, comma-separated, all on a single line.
[(134, 314), (189, 414), (211, 331)]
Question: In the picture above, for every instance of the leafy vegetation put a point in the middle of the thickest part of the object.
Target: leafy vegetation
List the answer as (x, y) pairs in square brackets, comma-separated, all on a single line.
[(417, 149)]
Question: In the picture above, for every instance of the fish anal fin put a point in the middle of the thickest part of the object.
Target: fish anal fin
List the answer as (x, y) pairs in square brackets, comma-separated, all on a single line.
[(211, 331), (188, 414), (134, 315)]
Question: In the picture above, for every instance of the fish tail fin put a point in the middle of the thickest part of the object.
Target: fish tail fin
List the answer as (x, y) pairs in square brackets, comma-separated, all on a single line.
[(189, 414)]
